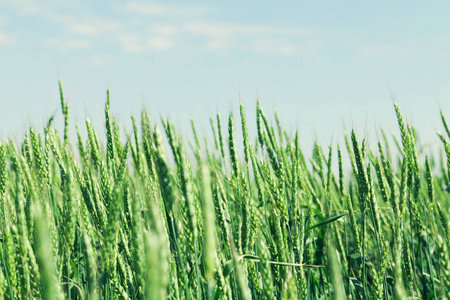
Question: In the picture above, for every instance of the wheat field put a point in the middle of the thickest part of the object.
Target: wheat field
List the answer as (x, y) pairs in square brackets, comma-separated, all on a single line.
[(154, 216)]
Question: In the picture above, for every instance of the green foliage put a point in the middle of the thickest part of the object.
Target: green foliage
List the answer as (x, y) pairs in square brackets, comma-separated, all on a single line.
[(121, 220)]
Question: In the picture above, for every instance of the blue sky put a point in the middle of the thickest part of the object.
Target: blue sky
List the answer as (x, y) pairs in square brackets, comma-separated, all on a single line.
[(325, 65)]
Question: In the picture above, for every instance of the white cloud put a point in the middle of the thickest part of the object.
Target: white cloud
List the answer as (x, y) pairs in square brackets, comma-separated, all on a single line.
[(67, 45), (259, 38), (309, 47), (131, 42), (6, 39), (158, 37), (264, 45), (160, 43), (164, 29), (38, 9), (159, 9), (215, 29), (94, 26), (26, 7), (177, 25), (137, 43)]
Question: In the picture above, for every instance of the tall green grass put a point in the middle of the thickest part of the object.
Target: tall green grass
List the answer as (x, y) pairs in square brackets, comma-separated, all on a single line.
[(114, 218)]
